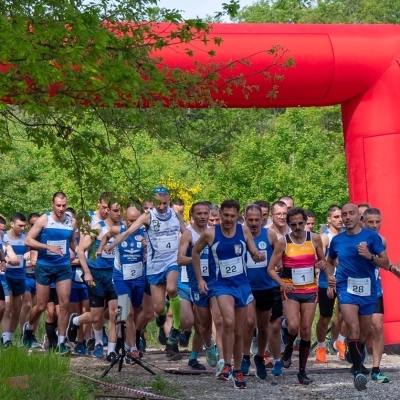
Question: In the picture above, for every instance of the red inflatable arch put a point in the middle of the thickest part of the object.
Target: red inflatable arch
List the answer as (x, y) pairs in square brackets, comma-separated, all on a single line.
[(357, 66)]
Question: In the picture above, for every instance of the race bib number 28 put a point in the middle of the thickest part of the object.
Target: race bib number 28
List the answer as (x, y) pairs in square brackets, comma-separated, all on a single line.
[(359, 287)]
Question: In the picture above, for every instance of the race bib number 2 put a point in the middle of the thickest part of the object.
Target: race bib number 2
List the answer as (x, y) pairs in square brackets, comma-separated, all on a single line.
[(132, 271)]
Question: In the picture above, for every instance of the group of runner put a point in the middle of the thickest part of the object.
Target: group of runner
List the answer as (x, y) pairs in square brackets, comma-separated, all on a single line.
[(238, 286)]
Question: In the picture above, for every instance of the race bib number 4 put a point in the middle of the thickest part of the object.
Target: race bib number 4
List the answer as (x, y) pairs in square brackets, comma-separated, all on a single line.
[(231, 267), (359, 287), (62, 244), (132, 271), (303, 276), (167, 243)]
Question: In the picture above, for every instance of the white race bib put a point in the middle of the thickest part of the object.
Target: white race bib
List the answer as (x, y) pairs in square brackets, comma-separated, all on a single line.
[(184, 275), (167, 243), (108, 255), (132, 271), (78, 275), (303, 276), (231, 267), (62, 244), (359, 287), (21, 262), (204, 268), (252, 264)]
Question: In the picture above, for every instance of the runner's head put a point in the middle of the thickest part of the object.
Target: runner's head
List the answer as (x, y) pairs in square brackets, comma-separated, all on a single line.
[(253, 218), (214, 218), (350, 216), (18, 223), (199, 214), (288, 200), (102, 204), (296, 218), (310, 222), (372, 219), (59, 204), (161, 199), (147, 205), (114, 212), (265, 210), (229, 213), (3, 223), (279, 212), (32, 217), (361, 208), (132, 214), (334, 216), (178, 206)]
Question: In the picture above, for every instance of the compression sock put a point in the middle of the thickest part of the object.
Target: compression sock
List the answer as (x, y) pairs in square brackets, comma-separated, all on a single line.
[(176, 311)]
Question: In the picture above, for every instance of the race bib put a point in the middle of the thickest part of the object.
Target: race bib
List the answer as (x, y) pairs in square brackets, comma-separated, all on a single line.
[(108, 255), (62, 244), (184, 275), (303, 276), (204, 268), (78, 275), (359, 287), (231, 267), (167, 243), (252, 264), (21, 262), (132, 271)]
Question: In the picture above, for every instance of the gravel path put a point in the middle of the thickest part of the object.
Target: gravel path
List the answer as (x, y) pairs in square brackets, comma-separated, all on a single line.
[(332, 381)]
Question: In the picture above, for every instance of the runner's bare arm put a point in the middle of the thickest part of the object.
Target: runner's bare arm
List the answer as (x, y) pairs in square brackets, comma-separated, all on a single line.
[(184, 243)]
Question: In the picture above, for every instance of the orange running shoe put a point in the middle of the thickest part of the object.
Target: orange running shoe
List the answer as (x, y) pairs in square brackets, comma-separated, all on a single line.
[(321, 355), (341, 348)]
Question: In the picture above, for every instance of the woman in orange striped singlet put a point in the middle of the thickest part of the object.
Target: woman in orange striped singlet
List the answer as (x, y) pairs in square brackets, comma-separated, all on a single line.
[(298, 251)]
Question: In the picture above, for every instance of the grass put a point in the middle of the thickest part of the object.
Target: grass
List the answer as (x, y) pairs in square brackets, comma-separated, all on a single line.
[(48, 377)]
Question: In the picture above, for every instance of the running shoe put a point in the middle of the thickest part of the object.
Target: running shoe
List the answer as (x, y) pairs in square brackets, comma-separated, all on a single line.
[(277, 370), (226, 373), (81, 350), (195, 365), (286, 359), (72, 329), (27, 336), (341, 349), (303, 378), (238, 380), (379, 377), (160, 319), (62, 349), (111, 357), (261, 371), (173, 337), (364, 370), (211, 356), (360, 382), (162, 337), (98, 351), (245, 365), (172, 352), (220, 367), (331, 349), (35, 343), (321, 355), (8, 344)]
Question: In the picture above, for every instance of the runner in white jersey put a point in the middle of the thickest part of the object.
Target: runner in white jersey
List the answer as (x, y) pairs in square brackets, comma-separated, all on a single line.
[(162, 226), (15, 274)]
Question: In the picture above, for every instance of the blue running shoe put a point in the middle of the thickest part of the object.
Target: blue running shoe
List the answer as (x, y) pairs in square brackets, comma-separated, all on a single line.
[(277, 370), (81, 350), (238, 380), (360, 382), (245, 366), (98, 351)]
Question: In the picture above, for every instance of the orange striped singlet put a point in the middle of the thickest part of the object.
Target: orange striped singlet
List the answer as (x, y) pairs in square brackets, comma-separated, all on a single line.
[(299, 265)]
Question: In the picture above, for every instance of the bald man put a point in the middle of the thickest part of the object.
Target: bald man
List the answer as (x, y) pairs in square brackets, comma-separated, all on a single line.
[(359, 252)]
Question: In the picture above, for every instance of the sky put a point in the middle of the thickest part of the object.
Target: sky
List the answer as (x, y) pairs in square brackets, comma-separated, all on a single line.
[(198, 8)]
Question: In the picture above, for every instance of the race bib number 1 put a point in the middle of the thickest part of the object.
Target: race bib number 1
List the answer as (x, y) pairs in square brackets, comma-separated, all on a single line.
[(303, 276), (359, 287)]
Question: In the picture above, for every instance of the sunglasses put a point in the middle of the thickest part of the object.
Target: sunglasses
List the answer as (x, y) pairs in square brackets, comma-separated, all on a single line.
[(160, 190)]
